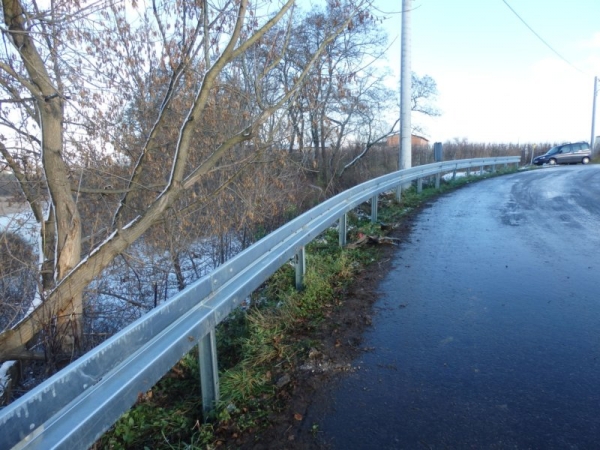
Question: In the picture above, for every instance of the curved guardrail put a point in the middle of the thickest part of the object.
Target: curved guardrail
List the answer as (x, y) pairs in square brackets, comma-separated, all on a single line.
[(73, 408)]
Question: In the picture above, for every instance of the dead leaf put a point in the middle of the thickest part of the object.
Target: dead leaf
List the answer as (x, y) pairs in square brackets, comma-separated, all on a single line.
[(372, 240)]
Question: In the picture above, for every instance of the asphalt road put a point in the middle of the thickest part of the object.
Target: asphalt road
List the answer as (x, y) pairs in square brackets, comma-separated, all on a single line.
[(487, 332)]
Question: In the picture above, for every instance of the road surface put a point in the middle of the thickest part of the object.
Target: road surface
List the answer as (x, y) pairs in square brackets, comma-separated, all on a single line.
[(487, 332)]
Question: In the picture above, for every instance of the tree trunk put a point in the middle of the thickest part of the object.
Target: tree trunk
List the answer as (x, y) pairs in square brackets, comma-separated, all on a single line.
[(67, 253), (67, 225), (178, 272)]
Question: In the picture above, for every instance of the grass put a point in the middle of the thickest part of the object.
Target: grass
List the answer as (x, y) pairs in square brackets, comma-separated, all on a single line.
[(259, 347), (163, 415)]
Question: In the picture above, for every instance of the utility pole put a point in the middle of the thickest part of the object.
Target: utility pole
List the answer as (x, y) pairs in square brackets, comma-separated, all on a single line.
[(592, 143), (405, 157)]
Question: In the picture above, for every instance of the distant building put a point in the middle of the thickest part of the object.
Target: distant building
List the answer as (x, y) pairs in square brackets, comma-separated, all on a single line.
[(415, 141)]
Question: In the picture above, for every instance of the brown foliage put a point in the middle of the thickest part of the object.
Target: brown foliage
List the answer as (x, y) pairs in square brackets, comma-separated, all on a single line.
[(17, 278), (145, 126)]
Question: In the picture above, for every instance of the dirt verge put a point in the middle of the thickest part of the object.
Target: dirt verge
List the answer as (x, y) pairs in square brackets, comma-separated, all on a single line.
[(340, 340)]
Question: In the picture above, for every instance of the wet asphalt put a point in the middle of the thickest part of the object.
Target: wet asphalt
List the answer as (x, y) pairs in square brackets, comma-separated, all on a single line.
[(487, 331)]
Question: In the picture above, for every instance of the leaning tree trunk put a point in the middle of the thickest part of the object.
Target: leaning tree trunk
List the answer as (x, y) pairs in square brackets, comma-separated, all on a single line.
[(66, 229)]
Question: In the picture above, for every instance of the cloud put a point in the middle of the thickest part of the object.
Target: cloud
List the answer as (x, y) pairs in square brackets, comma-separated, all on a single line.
[(546, 101)]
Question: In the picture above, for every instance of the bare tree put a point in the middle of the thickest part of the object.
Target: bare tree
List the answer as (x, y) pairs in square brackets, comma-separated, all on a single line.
[(346, 104), (325, 111), (68, 72), (424, 92)]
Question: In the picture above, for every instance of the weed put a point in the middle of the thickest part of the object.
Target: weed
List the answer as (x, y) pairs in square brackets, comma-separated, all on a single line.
[(230, 335), (241, 383), (314, 429), (164, 415)]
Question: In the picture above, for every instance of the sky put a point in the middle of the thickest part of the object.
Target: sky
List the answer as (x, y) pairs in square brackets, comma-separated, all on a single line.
[(498, 81)]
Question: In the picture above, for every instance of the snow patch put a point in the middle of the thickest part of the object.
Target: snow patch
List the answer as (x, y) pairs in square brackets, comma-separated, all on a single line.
[(21, 223), (449, 176), (4, 378)]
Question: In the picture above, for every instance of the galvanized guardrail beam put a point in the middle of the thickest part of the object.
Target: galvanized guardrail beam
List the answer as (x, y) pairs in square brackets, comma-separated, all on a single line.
[(73, 408)]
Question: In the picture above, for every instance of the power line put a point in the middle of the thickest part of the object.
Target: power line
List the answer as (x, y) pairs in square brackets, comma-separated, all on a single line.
[(542, 39)]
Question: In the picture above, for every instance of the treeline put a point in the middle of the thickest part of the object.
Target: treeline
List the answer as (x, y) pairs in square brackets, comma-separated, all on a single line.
[(462, 149), (197, 237), (384, 159)]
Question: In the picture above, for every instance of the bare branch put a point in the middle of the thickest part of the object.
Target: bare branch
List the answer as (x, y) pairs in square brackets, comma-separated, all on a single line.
[(32, 199), (367, 147)]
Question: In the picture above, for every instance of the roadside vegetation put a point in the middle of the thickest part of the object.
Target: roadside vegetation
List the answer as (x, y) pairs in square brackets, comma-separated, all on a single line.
[(184, 248), (262, 346), (143, 167)]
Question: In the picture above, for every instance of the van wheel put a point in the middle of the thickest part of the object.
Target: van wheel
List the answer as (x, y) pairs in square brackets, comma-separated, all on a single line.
[(585, 160), (552, 162)]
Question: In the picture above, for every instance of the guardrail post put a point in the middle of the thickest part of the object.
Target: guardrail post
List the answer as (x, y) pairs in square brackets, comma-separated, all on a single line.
[(493, 168), (209, 372), (343, 229), (438, 178), (419, 185), (468, 171), (481, 171), (374, 204), (300, 263)]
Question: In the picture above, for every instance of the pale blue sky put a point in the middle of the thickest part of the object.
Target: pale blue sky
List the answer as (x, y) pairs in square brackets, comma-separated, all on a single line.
[(497, 81)]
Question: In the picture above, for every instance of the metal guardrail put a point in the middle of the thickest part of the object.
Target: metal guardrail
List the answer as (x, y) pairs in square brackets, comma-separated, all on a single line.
[(73, 408)]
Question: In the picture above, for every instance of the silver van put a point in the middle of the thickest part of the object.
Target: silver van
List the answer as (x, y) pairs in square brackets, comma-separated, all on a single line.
[(578, 152)]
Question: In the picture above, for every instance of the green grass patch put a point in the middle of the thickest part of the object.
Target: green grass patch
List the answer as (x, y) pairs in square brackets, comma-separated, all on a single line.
[(162, 416)]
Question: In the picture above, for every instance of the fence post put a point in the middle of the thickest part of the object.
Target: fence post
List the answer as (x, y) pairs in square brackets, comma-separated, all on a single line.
[(209, 372), (374, 203), (300, 263), (343, 229), (419, 185)]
